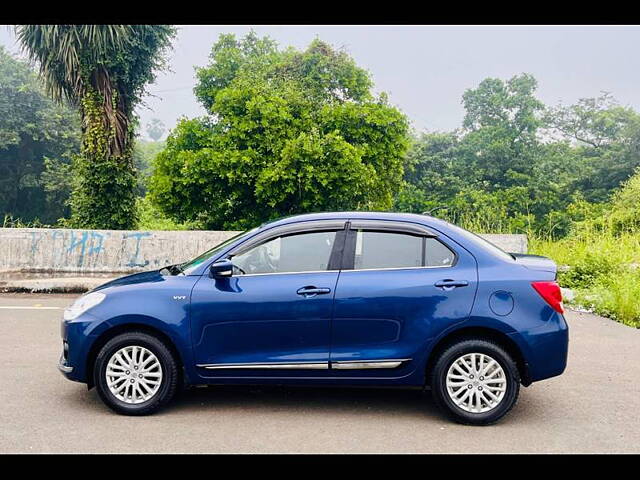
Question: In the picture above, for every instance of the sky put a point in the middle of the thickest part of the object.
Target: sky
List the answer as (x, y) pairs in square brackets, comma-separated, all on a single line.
[(426, 69)]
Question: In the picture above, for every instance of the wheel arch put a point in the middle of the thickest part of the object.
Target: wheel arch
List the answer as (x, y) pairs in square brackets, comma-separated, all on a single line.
[(116, 330), (478, 332)]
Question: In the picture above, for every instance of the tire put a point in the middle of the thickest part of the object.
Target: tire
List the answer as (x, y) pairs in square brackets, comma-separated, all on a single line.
[(160, 374), (501, 375)]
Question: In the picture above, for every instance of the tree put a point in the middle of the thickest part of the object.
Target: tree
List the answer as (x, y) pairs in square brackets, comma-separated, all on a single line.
[(288, 131), (607, 137), (155, 129), (143, 155), (101, 69), (37, 141), (495, 174), (502, 119), (434, 173)]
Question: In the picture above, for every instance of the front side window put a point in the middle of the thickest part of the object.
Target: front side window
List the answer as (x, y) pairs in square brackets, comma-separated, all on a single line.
[(377, 250), (189, 267), (305, 252)]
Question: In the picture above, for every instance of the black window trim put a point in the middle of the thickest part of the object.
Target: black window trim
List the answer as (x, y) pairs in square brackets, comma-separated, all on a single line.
[(393, 226)]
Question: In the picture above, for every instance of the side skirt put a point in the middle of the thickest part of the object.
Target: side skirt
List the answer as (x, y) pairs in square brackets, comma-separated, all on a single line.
[(341, 365)]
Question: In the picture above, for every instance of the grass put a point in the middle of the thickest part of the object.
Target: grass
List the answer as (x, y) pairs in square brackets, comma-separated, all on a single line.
[(10, 222), (604, 271), (150, 218)]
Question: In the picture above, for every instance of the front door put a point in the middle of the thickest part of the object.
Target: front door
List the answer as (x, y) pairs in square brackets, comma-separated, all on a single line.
[(397, 290), (272, 316)]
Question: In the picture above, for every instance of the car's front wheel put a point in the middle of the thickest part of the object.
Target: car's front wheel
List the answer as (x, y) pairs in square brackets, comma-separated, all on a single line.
[(135, 373), (475, 381)]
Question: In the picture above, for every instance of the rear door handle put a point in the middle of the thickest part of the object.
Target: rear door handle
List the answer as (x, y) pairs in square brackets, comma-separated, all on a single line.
[(449, 284), (312, 291)]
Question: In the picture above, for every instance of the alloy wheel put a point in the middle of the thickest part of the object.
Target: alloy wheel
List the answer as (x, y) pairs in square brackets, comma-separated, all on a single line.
[(476, 383), (133, 374)]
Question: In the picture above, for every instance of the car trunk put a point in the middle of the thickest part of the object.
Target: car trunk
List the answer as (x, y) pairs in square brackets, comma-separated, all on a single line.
[(536, 262)]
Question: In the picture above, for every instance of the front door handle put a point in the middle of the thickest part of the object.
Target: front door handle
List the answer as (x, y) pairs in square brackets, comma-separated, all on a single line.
[(449, 284), (311, 291)]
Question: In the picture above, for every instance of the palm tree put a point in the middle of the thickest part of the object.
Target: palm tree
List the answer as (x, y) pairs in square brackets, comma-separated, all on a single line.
[(103, 70)]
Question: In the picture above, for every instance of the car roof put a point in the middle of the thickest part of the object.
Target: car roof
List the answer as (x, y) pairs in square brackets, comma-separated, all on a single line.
[(476, 246), (395, 216)]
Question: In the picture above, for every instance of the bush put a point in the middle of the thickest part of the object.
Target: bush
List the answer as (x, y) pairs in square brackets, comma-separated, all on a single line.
[(603, 271), (150, 218), (586, 271), (616, 296)]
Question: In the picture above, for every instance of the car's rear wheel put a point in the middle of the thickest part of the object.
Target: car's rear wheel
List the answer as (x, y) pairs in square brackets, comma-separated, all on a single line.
[(475, 381), (135, 373)]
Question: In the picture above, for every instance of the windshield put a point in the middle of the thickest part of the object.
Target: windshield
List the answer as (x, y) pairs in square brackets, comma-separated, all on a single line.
[(482, 242), (188, 267)]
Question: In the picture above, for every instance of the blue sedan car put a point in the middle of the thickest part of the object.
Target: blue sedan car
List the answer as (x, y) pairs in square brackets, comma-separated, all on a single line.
[(369, 299)]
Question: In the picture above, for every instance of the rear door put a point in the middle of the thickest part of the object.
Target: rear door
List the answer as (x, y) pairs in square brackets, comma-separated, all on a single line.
[(400, 285)]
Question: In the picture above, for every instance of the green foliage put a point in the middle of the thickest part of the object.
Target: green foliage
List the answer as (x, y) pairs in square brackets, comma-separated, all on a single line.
[(502, 119), (37, 140), (150, 218), (10, 222), (519, 167), (621, 214), (104, 188), (143, 154), (615, 296), (603, 262), (488, 174), (103, 70), (586, 270), (288, 132), (607, 139)]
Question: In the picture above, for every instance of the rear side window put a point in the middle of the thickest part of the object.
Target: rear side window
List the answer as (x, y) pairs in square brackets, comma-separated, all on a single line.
[(376, 250), (437, 254)]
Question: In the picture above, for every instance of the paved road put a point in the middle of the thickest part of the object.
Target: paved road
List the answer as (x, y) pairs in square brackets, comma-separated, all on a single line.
[(593, 407)]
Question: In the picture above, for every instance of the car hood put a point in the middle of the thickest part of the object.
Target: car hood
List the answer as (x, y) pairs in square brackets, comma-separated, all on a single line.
[(536, 262), (142, 277)]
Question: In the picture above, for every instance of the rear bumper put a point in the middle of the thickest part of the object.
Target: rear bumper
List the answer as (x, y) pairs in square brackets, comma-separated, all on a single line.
[(545, 349)]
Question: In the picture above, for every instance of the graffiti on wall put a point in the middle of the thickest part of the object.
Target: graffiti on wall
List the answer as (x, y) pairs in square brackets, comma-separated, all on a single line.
[(84, 247)]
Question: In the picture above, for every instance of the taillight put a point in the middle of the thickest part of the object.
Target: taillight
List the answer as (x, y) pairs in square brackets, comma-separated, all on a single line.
[(550, 292)]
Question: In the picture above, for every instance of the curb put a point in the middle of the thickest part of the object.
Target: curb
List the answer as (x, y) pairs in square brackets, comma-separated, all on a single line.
[(52, 285)]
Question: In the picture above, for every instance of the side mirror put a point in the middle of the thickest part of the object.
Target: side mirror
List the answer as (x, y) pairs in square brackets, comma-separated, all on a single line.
[(221, 269)]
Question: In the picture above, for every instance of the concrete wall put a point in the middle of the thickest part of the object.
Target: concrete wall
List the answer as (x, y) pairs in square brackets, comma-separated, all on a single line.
[(93, 251), (65, 250), (514, 243)]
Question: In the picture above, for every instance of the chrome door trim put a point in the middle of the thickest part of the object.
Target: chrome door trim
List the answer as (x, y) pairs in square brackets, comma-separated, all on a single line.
[(366, 364), (396, 268), (244, 275), (261, 365), (338, 365)]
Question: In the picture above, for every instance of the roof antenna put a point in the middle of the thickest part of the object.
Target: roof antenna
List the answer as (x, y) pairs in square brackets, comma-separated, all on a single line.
[(429, 212)]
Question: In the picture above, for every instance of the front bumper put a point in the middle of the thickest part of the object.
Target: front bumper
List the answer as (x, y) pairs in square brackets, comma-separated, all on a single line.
[(77, 335), (63, 367)]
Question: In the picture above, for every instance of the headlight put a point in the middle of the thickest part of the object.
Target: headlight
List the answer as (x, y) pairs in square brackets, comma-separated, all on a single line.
[(83, 304)]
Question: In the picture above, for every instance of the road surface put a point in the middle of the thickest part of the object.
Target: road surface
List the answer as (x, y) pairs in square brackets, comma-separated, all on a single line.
[(592, 407)]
